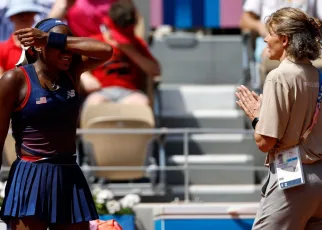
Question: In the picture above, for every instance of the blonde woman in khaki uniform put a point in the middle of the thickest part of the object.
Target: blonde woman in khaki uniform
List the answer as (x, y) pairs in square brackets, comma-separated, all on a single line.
[(281, 118)]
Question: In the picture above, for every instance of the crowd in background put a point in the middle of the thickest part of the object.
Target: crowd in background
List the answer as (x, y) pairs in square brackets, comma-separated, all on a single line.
[(124, 78)]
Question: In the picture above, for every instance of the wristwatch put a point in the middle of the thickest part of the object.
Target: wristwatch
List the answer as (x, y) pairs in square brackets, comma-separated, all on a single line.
[(254, 122)]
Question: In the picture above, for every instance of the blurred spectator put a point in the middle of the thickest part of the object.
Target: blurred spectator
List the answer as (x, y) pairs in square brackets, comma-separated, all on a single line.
[(6, 27), (253, 17), (21, 13), (255, 12), (46, 6), (123, 78), (84, 17)]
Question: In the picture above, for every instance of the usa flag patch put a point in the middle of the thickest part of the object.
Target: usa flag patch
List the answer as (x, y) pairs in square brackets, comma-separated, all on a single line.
[(42, 100)]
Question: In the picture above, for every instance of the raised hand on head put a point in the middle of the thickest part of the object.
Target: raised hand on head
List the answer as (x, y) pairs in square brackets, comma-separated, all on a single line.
[(32, 37)]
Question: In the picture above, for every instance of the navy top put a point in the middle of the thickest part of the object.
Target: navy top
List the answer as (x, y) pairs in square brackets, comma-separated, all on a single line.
[(46, 122)]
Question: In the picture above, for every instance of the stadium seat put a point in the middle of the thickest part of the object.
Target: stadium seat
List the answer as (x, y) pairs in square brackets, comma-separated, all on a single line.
[(117, 149)]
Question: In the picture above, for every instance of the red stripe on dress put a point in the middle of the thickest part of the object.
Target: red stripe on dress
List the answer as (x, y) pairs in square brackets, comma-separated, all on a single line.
[(24, 102)]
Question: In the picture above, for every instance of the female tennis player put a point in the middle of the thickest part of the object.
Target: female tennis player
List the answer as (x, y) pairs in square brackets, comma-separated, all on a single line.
[(46, 187)]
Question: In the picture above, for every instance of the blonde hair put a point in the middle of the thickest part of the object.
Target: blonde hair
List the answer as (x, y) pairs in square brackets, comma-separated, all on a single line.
[(302, 31)]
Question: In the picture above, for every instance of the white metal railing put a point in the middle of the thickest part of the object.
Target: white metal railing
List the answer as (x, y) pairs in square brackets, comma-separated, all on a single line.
[(160, 133)]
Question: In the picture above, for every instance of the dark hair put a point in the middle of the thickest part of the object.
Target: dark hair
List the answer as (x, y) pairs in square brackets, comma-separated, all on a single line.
[(302, 31), (122, 14), (42, 21)]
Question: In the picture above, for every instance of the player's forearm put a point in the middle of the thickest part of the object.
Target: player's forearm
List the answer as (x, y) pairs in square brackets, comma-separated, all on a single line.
[(89, 47)]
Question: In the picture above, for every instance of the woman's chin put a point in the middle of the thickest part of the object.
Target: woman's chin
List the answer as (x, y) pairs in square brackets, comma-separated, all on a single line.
[(273, 58)]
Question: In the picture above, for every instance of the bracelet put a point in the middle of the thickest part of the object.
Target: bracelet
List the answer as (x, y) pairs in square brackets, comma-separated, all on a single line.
[(57, 40), (254, 122)]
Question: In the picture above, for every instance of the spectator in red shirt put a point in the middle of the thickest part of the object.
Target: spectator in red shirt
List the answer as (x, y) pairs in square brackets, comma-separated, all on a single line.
[(123, 78), (85, 17), (22, 14)]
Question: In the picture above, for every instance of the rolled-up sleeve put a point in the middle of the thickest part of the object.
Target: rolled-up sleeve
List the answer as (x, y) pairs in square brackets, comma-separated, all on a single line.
[(275, 108)]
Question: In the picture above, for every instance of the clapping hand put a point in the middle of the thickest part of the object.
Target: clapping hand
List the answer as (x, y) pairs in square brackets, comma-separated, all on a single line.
[(248, 101)]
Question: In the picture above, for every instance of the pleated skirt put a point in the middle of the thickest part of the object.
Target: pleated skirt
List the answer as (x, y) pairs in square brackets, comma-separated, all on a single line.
[(52, 192)]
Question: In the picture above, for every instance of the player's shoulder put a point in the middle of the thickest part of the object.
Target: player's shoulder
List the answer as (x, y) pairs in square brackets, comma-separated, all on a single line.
[(13, 78)]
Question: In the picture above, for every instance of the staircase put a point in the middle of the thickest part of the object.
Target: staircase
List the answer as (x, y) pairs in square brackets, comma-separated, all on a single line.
[(200, 106), (195, 94)]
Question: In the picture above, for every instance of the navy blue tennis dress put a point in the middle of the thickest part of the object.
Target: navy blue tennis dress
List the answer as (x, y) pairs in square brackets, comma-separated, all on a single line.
[(48, 185)]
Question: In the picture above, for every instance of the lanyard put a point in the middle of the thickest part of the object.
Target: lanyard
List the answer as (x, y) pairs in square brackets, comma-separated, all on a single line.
[(317, 109)]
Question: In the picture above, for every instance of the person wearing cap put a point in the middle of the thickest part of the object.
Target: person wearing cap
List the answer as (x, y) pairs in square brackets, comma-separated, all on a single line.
[(46, 187), (5, 24), (123, 78), (6, 27), (21, 13)]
